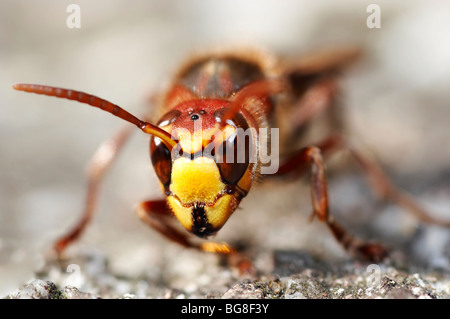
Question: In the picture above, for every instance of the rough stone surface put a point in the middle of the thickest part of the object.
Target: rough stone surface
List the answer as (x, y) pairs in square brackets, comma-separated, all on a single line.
[(348, 280), (244, 291), (37, 289)]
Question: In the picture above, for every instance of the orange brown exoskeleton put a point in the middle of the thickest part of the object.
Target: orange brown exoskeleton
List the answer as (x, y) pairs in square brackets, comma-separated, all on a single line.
[(212, 97)]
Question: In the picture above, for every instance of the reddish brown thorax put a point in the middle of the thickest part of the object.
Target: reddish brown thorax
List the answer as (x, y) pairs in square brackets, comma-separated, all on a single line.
[(211, 83)]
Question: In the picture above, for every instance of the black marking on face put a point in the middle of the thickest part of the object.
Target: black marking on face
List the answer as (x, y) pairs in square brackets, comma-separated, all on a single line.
[(200, 225)]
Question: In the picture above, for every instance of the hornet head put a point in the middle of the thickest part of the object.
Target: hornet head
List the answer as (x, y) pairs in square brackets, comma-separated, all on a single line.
[(209, 171)]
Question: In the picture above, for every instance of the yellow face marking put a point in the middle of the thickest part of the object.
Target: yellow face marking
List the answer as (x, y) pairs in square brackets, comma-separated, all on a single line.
[(217, 213), (183, 214), (192, 143), (196, 180)]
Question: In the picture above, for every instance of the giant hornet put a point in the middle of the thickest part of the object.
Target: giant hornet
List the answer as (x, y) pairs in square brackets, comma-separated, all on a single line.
[(204, 164)]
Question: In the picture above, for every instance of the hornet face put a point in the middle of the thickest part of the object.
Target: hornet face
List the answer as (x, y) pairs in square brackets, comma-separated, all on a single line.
[(209, 171)]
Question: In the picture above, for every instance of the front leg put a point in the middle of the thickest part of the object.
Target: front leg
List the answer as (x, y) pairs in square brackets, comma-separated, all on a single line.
[(157, 214), (97, 168)]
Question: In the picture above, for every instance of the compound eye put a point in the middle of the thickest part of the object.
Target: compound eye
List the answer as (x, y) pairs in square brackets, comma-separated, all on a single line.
[(233, 157), (159, 153), (169, 118), (161, 160)]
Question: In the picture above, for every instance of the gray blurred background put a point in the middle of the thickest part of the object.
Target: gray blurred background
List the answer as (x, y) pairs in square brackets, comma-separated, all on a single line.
[(397, 102)]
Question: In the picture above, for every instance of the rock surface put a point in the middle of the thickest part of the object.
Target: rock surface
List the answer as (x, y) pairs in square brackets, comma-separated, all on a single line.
[(310, 279)]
